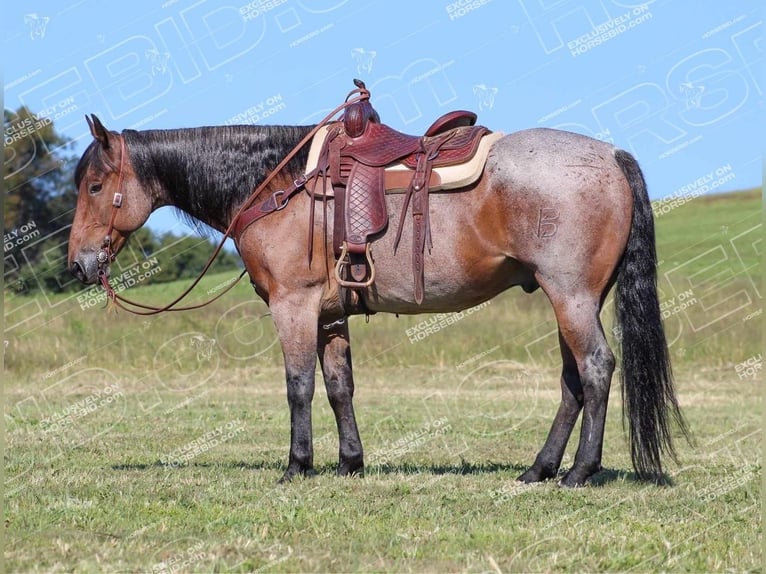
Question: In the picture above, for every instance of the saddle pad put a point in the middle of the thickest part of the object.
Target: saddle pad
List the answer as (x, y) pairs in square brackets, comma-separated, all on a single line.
[(459, 175), (451, 176)]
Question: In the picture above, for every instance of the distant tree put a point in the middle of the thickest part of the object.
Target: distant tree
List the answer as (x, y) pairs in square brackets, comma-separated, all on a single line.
[(37, 181), (39, 198), (182, 257)]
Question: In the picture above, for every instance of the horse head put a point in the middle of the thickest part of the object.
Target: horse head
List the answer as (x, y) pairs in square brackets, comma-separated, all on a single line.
[(111, 204)]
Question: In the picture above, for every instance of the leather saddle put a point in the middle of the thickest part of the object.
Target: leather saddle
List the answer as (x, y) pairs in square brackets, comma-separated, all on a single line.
[(354, 157)]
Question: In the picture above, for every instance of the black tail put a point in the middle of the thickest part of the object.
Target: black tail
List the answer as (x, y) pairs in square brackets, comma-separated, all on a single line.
[(648, 396)]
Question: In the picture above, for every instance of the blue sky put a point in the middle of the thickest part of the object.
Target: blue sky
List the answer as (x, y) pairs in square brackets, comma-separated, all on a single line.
[(678, 83)]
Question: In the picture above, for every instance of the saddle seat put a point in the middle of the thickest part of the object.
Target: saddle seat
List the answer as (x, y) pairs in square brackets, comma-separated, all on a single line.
[(362, 159), (381, 145)]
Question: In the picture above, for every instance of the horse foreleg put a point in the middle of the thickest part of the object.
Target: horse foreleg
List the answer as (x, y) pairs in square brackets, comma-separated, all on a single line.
[(548, 461), (334, 351), (296, 322)]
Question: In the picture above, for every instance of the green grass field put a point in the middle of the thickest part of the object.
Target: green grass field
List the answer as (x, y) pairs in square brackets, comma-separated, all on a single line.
[(154, 444)]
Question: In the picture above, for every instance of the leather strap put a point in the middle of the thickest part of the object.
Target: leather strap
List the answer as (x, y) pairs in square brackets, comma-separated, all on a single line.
[(421, 223), (395, 180), (276, 202)]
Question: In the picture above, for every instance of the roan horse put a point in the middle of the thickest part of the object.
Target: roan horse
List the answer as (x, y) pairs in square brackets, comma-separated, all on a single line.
[(494, 234)]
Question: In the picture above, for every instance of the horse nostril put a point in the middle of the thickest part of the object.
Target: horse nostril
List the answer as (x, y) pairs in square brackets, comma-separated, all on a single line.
[(78, 271)]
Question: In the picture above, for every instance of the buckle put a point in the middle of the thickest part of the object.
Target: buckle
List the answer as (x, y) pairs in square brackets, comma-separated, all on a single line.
[(300, 182), (280, 204)]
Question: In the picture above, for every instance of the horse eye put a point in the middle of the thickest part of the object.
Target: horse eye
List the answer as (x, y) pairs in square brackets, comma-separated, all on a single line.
[(94, 188)]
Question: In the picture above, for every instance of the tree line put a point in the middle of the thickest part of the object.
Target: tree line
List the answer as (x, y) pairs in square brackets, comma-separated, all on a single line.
[(38, 209)]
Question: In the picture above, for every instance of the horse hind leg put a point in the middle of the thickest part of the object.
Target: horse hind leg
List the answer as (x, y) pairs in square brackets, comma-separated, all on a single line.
[(548, 461), (334, 350), (584, 346)]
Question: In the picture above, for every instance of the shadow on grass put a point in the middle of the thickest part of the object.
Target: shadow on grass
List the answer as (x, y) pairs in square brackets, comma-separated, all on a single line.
[(329, 468), (608, 475), (464, 468), (598, 480), (262, 465)]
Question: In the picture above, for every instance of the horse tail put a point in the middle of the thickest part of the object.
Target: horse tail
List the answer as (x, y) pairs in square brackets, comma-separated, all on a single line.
[(648, 396)]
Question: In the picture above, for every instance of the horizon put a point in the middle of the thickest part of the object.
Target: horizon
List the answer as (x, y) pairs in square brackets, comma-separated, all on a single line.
[(681, 90)]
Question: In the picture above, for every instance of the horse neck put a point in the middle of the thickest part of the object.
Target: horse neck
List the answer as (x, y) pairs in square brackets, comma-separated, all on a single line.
[(206, 173)]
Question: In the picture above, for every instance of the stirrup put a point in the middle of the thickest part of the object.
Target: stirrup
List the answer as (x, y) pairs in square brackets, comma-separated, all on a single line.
[(343, 261)]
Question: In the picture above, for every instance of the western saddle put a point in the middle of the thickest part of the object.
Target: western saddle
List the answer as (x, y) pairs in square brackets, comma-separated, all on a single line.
[(354, 157)]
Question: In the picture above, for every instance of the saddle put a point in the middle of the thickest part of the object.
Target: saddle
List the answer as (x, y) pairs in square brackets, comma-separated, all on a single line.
[(354, 157)]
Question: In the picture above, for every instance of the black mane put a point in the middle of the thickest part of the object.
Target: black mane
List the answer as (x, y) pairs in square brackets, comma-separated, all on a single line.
[(209, 171)]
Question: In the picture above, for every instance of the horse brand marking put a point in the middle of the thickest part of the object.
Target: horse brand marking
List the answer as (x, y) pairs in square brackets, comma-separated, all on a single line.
[(547, 222)]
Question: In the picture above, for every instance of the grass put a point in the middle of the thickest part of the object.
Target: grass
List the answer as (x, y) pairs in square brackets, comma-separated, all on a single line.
[(154, 445)]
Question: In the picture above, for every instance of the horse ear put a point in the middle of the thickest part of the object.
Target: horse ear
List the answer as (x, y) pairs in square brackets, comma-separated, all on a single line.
[(98, 130)]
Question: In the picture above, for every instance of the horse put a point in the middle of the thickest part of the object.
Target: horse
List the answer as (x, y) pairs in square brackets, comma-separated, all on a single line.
[(552, 209)]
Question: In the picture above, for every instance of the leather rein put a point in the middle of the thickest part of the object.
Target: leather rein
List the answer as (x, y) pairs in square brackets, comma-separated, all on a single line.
[(276, 202)]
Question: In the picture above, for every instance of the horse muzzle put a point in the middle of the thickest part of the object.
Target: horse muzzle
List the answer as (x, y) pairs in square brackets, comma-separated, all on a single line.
[(85, 267)]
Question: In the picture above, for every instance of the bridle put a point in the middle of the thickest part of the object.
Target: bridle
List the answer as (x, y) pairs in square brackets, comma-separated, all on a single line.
[(105, 255), (277, 201)]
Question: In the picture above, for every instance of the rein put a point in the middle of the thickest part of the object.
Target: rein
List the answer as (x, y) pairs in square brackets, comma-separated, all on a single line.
[(276, 202)]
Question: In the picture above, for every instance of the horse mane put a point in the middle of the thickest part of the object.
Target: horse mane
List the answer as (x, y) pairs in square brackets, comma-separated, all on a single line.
[(208, 172)]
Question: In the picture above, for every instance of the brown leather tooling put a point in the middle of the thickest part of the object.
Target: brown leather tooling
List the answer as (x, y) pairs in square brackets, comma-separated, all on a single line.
[(356, 152)]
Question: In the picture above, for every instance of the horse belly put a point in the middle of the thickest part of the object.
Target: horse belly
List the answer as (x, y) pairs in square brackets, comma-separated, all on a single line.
[(466, 266)]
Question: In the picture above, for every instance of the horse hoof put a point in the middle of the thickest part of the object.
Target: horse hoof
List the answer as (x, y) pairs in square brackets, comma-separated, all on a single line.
[(564, 483), (536, 474), (529, 476), (289, 475), (575, 479), (357, 471)]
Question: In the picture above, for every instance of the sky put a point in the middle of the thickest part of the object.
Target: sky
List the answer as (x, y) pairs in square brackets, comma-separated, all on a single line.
[(677, 83)]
